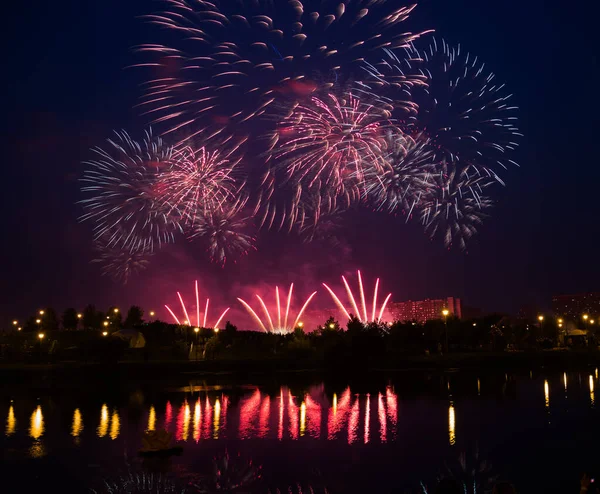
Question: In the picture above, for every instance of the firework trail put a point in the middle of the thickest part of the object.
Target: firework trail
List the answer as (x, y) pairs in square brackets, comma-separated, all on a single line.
[(466, 112), (120, 264), (200, 322), (405, 178), (230, 60), (225, 231), (279, 325), (197, 181), (364, 315), (455, 205), (125, 200)]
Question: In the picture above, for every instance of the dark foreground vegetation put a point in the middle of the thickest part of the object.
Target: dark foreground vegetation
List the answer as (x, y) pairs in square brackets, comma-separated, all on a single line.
[(97, 338)]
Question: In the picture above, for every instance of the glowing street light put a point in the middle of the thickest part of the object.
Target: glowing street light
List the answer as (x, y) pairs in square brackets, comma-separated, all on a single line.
[(105, 323), (41, 313), (104, 333), (560, 321), (216, 330), (15, 322), (196, 330), (445, 313), (585, 317), (19, 328), (331, 325), (79, 316), (151, 313), (41, 336), (116, 310), (540, 318), (591, 321), (38, 321), (300, 324)]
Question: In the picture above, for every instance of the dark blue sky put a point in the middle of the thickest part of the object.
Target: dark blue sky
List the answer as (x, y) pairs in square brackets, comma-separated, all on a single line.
[(66, 88)]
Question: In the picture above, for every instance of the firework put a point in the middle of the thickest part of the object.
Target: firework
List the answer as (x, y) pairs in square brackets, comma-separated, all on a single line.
[(455, 204), (363, 316), (136, 483), (327, 141), (229, 60), (125, 200), (279, 325), (225, 231), (463, 108), (200, 323), (120, 264), (406, 174), (197, 181)]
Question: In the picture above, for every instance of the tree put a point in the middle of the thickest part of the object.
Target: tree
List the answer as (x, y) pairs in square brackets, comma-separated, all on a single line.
[(330, 325), (49, 320), (115, 317), (69, 319), (92, 319), (134, 317)]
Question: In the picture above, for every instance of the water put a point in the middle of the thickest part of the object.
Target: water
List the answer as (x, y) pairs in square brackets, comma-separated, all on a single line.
[(377, 434)]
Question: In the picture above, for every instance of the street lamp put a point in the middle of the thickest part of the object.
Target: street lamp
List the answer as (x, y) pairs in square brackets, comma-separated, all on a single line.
[(300, 324), (38, 321), (79, 316), (41, 313), (105, 323), (116, 310), (196, 330), (585, 318), (216, 330), (41, 336), (15, 322), (445, 313), (104, 333), (151, 313), (19, 328)]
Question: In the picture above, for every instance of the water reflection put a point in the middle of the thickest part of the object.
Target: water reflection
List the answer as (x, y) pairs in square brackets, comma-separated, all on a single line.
[(151, 419), (11, 422), (197, 420), (451, 425), (547, 393), (217, 419), (592, 390), (36, 425), (115, 425), (103, 426), (565, 380), (77, 425)]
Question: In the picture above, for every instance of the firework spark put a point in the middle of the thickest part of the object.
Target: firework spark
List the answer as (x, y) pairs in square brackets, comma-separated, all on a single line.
[(120, 264), (406, 175), (463, 108), (279, 325), (225, 231), (455, 205), (200, 323), (229, 61), (197, 180), (364, 316), (125, 203)]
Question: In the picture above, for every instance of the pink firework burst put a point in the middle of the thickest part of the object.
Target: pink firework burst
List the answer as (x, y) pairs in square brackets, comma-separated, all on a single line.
[(362, 313), (281, 324), (197, 180), (200, 322), (326, 142)]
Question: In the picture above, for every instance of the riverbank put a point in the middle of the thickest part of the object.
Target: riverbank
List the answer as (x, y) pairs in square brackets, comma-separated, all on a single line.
[(454, 361)]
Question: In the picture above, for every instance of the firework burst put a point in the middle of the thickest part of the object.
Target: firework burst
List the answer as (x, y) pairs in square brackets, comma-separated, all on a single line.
[(124, 200), (455, 205), (230, 60), (363, 316), (466, 112), (200, 322), (197, 181), (225, 231), (279, 325), (406, 175), (120, 264)]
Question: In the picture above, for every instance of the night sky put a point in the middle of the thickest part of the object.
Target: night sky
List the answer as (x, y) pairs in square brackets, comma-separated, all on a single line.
[(66, 88)]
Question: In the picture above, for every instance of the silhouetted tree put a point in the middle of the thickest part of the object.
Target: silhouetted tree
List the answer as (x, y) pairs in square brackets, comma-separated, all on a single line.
[(134, 317), (69, 319), (49, 320), (230, 328), (330, 325), (92, 319), (354, 324), (115, 318)]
